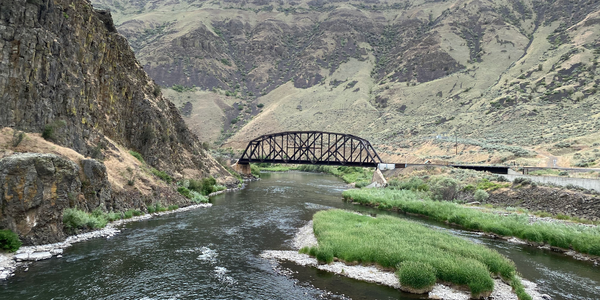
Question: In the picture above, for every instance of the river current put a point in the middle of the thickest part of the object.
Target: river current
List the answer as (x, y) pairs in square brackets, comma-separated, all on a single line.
[(213, 253)]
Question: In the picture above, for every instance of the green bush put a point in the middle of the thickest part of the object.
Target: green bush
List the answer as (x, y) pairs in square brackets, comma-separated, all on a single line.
[(195, 185), (255, 170), (9, 241), (413, 184), (415, 274), (162, 175), (444, 189), (74, 219), (481, 196), (138, 156), (198, 197), (173, 207), (128, 214), (184, 192), (151, 209)]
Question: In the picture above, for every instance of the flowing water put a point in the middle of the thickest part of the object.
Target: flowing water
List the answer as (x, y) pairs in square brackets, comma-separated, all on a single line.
[(213, 253)]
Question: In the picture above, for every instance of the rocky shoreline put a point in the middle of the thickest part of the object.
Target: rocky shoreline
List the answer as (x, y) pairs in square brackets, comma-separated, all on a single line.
[(306, 238), (9, 262)]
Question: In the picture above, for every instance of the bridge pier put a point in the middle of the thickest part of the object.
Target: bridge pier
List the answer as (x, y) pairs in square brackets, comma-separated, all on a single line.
[(378, 178), (242, 168)]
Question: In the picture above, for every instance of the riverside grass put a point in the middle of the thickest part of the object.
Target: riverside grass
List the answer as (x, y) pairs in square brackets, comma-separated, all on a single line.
[(358, 175), (581, 238), (420, 255)]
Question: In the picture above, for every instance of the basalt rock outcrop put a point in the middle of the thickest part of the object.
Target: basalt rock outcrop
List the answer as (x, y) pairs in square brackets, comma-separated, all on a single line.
[(66, 72), (35, 189), (64, 68)]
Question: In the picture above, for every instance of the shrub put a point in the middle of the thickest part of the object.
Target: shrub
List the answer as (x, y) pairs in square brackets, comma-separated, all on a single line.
[(522, 181), (49, 132), (444, 189), (198, 197), (413, 184), (74, 219), (481, 196), (112, 216), (173, 207), (9, 241), (416, 275), (151, 209), (128, 214), (162, 175), (184, 192), (18, 137), (156, 91), (138, 156), (563, 173)]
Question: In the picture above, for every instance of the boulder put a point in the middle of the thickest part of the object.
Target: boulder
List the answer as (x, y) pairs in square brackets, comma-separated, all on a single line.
[(34, 190)]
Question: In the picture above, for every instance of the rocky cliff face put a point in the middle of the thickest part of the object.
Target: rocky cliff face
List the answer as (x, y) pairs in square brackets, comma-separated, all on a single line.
[(66, 72), (35, 189), (63, 66)]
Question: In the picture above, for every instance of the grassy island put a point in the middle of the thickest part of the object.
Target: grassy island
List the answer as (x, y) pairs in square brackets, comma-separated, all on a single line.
[(421, 256), (579, 237)]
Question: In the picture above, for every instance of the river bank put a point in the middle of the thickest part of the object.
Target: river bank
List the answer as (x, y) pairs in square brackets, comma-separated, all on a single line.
[(305, 238), (9, 262)]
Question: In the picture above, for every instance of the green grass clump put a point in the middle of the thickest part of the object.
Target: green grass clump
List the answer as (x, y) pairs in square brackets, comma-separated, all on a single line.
[(487, 185), (9, 241), (255, 170), (579, 237), (198, 198), (138, 156), (277, 168), (74, 219), (413, 184), (348, 174), (184, 192), (162, 175), (415, 274), (172, 207), (411, 248)]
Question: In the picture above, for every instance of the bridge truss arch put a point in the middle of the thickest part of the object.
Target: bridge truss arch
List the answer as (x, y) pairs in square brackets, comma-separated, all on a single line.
[(311, 147)]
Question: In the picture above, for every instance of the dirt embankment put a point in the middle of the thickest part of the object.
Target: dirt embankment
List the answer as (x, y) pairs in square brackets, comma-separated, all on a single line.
[(553, 200)]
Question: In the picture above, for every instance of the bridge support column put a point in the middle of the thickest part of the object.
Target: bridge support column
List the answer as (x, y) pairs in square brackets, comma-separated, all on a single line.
[(242, 168), (378, 178)]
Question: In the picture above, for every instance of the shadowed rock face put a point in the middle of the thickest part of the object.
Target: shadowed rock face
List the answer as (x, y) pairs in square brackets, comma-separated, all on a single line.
[(63, 65), (65, 71), (35, 189)]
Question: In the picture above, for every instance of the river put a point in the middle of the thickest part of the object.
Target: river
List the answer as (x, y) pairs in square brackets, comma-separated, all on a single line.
[(213, 253)]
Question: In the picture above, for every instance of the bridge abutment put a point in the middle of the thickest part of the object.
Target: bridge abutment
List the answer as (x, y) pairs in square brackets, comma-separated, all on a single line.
[(242, 168)]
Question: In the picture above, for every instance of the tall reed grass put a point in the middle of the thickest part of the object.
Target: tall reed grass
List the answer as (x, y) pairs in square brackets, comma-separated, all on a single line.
[(420, 255), (581, 238)]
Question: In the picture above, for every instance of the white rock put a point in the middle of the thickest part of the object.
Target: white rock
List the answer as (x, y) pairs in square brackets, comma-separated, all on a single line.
[(56, 251), (22, 256), (40, 256)]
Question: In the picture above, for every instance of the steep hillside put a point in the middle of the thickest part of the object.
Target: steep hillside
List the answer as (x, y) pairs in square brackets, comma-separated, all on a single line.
[(492, 72), (66, 75)]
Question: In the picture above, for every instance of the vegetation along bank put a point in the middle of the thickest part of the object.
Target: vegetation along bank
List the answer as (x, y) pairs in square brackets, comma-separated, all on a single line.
[(419, 255)]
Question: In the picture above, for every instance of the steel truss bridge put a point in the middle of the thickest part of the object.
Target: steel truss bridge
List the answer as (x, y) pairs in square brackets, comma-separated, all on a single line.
[(311, 147)]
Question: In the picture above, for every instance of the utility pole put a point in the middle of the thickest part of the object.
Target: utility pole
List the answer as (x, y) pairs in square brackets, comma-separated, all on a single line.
[(456, 143)]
